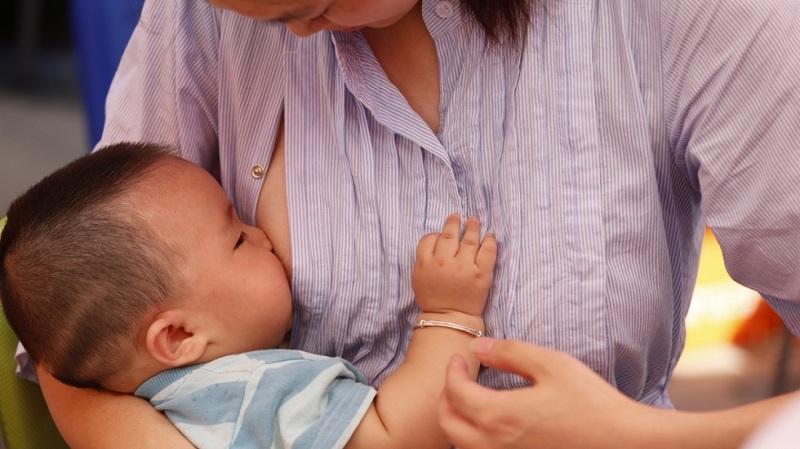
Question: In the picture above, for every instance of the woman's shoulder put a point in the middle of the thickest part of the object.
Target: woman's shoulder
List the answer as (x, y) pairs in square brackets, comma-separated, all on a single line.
[(719, 21), (200, 20)]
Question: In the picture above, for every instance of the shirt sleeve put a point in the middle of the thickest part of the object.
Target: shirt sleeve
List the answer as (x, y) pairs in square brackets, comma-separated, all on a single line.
[(733, 109), (166, 88), (264, 399)]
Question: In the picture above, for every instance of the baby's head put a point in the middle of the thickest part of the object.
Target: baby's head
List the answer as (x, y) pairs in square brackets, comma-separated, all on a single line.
[(131, 260)]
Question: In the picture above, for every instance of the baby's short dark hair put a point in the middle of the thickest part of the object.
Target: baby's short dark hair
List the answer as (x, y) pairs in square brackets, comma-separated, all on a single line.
[(80, 268)]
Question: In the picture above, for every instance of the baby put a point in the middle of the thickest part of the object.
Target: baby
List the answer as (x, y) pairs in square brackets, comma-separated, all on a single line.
[(129, 270)]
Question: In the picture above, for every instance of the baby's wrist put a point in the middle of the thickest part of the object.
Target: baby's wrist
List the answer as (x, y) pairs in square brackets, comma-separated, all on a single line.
[(452, 316)]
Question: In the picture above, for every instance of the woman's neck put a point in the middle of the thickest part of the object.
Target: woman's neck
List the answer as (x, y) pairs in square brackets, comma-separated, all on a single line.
[(407, 54)]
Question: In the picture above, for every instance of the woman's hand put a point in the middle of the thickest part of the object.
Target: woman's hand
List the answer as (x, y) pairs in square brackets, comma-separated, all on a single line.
[(568, 405)]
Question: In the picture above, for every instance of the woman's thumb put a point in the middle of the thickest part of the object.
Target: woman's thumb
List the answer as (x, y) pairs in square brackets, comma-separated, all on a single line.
[(524, 359)]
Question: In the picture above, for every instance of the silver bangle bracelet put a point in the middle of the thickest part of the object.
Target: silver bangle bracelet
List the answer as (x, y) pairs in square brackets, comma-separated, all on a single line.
[(431, 323)]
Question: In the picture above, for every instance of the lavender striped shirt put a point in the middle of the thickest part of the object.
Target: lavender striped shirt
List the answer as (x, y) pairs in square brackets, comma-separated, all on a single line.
[(591, 156)]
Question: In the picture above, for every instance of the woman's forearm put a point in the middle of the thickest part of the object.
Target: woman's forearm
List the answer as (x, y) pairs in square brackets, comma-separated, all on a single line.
[(89, 419), (569, 405), (722, 429)]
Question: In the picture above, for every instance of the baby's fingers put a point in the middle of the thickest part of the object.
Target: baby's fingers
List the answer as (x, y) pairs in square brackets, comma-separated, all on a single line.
[(471, 240), (487, 254), (447, 243), (426, 246)]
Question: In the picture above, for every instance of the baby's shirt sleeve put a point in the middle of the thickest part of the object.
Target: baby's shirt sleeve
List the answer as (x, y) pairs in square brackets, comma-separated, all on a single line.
[(273, 398)]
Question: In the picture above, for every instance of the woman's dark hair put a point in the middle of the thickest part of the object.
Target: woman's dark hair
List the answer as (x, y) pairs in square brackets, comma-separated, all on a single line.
[(503, 21)]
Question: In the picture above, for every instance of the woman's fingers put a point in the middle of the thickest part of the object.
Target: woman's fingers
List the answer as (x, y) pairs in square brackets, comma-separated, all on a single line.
[(552, 413), (462, 393), (529, 361), (461, 432)]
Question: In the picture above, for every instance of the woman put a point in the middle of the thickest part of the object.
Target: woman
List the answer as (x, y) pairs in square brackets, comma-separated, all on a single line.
[(588, 135)]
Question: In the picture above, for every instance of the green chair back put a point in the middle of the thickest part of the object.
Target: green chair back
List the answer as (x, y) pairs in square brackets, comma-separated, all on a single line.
[(25, 422)]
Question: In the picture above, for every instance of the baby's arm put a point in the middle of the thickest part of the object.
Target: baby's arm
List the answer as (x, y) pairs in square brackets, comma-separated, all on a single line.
[(451, 281)]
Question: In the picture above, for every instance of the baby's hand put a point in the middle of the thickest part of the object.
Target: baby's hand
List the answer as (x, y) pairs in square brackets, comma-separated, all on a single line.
[(454, 276)]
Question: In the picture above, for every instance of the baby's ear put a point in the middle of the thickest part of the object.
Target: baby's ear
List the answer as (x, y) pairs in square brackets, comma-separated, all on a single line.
[(170, 342)]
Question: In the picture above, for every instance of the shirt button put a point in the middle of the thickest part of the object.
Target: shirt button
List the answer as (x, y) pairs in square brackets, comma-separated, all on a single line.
[(257, 171), (445, 10)]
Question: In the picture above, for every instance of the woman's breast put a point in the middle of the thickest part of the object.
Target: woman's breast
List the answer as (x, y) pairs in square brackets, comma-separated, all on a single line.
[(272, 212)]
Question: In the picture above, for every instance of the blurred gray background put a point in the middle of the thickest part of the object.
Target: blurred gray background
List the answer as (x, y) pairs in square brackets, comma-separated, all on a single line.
[(42, 124)]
